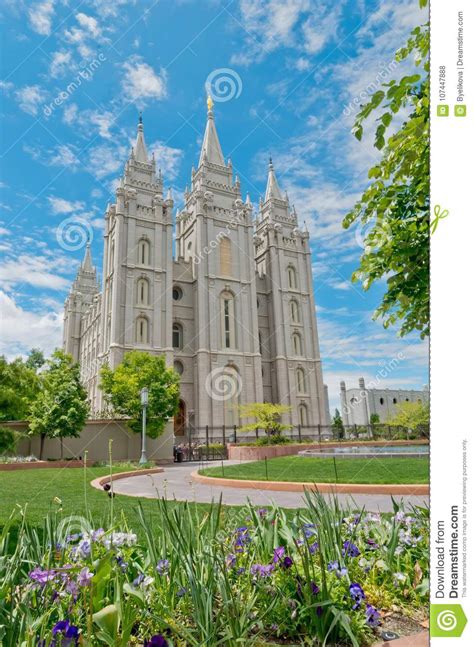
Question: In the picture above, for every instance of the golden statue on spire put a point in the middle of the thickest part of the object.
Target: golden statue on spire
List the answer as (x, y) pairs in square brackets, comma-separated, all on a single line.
[(210, 102)]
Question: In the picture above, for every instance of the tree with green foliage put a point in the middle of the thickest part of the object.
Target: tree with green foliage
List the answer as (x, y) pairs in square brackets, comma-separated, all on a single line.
[(395, 206), (8, 440), (19, 386), (338, 424), (35, 359), (412, 416), (122, 387), (60, 409), (374, 419), (267, 417)]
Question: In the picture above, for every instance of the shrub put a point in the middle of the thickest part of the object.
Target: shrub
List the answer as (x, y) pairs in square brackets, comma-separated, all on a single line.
[(8, 440)]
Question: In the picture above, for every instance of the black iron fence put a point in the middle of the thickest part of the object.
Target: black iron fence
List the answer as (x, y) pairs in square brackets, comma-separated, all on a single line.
[(210, 443)]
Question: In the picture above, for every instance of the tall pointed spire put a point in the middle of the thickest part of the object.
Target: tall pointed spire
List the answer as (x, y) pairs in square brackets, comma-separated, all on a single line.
[(211, 148), (273, 190), (86, 264), (140, 148)]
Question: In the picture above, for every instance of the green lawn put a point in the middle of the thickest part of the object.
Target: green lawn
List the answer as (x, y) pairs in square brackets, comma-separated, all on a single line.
[(321, 470), (37, 489)]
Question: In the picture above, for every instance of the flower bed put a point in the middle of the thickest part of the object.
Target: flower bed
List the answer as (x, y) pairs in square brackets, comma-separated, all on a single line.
[(32, 463), (325, 574)]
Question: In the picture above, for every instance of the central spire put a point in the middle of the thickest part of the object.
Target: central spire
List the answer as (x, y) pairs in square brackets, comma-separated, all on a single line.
[(140, 148), (211, 148), (273, 190)]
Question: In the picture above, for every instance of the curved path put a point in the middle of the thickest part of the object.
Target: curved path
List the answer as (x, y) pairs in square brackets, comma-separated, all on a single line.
[(175, 482)]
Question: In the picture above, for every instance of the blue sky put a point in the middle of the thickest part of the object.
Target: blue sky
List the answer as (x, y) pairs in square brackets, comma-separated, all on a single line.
[(76, 74)]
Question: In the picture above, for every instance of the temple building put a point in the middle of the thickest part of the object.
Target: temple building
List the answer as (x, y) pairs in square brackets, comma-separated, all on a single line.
[(225, 296)]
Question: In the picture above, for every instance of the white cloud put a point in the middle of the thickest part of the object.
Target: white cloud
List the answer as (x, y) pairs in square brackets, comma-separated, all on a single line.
[(40, 17), (89, 28), (306, 25), (38, 271), (140, 81), (167, 158), (105, 159), (30, 97), (61, 63), (60, 205), (22, 330), (61, 155)]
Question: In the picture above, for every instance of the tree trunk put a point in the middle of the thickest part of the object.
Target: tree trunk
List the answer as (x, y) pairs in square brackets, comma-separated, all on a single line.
[(42, 437)]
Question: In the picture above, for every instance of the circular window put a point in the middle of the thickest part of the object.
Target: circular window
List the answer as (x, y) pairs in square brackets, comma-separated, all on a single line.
[(179, 368), (177, 293)]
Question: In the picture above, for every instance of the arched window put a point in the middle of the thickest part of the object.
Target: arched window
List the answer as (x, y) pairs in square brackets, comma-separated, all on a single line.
[(294, 312), (141, 330), (228, 320), (381, 400), (177, 336), (297, 345), (394, 400), (292, 282), (225, 256), (300, 381), (143, 252), (143, 292), (260, 345), (303, 415)]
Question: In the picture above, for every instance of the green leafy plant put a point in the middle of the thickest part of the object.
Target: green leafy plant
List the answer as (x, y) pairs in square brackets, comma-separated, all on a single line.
[(267, 417), (60, 408), (395, 206), (122, 387)]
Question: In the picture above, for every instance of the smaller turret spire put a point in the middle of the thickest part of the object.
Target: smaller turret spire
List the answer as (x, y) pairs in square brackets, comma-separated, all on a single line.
[(273, 190), (140, 147)]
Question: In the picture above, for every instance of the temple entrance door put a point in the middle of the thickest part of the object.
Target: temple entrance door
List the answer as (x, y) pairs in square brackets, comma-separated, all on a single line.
[(180, 419)]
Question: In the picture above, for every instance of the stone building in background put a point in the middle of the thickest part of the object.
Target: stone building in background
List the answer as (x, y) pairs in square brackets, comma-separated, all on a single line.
[(232, 309), (359, 404)]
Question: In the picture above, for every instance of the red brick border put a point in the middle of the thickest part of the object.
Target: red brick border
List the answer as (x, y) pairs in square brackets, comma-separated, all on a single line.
[(99, 482), (11, 467), (292, 486)]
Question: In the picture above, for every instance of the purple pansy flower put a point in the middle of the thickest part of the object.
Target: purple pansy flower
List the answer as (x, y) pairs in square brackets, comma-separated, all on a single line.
[(85, 577), (314, 588), (287, 562), (340, 571), (350, 550), (65, 634), (357, 594), (156, 641), (262, 570), (42, 577), (278, 554), (372, 616), (163, 566)]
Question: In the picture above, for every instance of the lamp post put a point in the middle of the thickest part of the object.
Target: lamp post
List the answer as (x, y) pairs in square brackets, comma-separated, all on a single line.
[(144, 400)]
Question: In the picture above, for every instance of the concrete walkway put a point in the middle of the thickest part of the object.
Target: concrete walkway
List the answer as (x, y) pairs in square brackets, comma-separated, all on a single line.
[(175, 483)]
